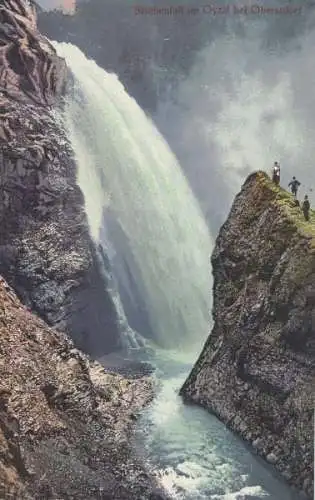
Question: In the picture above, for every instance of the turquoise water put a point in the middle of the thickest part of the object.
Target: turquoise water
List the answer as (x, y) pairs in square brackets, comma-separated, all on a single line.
[(126, 166), (193, 453)]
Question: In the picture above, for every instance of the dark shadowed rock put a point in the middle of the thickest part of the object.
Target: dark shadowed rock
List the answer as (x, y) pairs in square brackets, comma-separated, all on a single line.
[(65, 424), (256, 371), (46, 252), (30, 69)]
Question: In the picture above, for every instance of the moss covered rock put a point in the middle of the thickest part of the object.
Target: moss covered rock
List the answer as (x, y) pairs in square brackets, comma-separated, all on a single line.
[(257, 367)]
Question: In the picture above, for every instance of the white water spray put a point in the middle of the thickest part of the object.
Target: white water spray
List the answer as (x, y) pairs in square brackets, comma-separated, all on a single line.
[(241, 108), (125, 163)]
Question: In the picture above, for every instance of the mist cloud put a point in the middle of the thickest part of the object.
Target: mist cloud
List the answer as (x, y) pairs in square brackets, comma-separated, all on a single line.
[(248, 101)]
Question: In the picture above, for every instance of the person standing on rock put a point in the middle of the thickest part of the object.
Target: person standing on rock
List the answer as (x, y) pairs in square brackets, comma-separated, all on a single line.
[(294, 185), (276, 173), (306, 208)]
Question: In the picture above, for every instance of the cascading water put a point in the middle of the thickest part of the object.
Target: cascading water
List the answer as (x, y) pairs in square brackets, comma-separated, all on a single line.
[(126, 167), (125, 163)]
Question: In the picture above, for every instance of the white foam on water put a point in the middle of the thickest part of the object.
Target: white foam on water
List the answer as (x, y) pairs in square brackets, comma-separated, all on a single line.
[(124, 163)]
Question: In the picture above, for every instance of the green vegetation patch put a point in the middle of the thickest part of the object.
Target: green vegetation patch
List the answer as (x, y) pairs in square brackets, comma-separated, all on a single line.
[(286, 202)]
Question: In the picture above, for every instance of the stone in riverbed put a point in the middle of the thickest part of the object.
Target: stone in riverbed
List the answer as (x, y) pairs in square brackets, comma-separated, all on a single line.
[(272, 458)]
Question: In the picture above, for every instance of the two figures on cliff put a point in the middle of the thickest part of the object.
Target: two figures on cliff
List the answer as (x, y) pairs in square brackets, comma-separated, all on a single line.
[(294, 185)]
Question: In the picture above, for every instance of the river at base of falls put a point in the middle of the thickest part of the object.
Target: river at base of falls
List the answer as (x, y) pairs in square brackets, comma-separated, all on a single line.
[(194, 455)]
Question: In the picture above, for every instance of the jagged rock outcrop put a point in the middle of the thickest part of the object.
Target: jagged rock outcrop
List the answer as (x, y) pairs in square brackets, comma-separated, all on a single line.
[(256, 371), (65, 424), (46, 252), (30, 69)]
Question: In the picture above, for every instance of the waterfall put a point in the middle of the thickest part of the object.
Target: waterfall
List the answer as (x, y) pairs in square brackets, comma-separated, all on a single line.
[(126, 167), (129, 339)]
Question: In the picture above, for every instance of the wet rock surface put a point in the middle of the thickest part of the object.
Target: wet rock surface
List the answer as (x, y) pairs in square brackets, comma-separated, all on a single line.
[(256, 371), (65, 423), (46, 252)]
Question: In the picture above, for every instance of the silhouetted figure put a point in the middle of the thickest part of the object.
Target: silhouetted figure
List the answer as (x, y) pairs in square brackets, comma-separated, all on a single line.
[(294, 184), (306, 208), (276, 173)]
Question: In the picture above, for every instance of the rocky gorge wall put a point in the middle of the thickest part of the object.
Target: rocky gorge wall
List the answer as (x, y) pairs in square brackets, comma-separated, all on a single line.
[(65, 423), (46, 252), (256, 371)]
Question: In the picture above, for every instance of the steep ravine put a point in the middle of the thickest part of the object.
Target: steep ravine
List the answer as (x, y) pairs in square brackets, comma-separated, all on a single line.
[(46, 252), (65, 424), (256, 371)]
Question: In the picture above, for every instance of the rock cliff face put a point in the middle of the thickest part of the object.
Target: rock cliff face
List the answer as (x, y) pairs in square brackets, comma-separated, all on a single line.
[(46, 252), (256, 370), (65, 424)]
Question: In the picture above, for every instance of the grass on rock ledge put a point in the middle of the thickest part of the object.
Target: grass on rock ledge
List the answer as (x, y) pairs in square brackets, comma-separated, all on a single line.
[(286, 201)]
